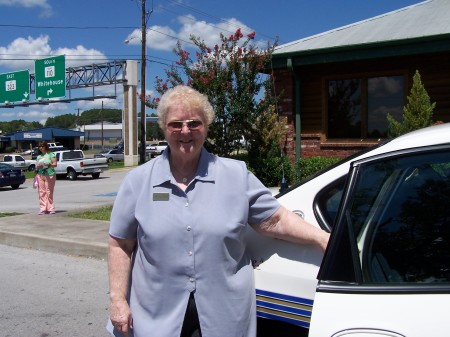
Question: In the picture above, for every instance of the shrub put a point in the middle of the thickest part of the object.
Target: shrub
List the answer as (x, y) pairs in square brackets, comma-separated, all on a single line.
[(417, 114), (306, 167), (271, 168)]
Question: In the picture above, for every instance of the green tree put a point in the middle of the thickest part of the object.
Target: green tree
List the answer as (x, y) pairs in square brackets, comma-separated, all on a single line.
[(67, 121), (97, 115), (232, 75), (18, 125), (265, 156), (418, 112), (153, 130)]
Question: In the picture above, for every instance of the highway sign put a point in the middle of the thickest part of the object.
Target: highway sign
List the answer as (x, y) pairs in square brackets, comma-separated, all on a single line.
[(15, 87), (50, 77)]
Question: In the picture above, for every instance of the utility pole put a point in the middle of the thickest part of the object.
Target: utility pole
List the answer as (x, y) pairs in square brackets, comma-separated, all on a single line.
[(101, 116), (143, 69)]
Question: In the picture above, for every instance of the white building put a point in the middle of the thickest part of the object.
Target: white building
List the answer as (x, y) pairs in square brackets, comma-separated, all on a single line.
[(109, 132)]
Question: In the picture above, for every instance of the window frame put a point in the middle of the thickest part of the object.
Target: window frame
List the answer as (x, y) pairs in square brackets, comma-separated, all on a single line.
[(343, 249), (364, 77)]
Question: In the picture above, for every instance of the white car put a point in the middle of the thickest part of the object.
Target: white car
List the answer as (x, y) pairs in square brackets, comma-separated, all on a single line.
[(386, 271), (111, 155)]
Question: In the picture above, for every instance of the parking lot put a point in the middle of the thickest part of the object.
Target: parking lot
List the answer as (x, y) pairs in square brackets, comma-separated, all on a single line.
[(83, 193)]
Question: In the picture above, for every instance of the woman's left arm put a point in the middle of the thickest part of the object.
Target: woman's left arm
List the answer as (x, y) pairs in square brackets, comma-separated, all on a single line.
[(54, 163), (286, 225)]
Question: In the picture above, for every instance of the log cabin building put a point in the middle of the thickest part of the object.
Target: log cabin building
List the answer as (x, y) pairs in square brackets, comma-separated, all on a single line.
[(338, 86)]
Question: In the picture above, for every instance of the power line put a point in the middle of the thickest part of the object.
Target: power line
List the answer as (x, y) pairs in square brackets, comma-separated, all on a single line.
[(67, 27)]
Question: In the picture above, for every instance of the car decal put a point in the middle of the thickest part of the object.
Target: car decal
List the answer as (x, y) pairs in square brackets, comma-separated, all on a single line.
[(290, 309)]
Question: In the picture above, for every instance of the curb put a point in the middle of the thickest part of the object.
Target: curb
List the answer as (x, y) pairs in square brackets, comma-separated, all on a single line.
[(56, 234)]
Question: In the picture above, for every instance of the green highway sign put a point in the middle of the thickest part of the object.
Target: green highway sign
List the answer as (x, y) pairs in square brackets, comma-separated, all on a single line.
[(50, 77), (15, 87)]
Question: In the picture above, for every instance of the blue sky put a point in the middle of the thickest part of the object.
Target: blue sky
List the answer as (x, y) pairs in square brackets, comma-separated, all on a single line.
[(94, 31)]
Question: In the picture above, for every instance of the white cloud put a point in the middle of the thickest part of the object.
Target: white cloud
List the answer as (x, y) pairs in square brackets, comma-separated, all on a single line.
[(43, 4), (97, 104), (165, 38), (22, 52), (210, 32), (79, 55), (158, 38), (7, 115), (34, 114), (385, 86), (28, 114)]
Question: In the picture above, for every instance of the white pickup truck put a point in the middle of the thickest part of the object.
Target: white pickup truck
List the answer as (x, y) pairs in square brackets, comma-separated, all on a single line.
[(18, 161), (73, 163), (156, 149)]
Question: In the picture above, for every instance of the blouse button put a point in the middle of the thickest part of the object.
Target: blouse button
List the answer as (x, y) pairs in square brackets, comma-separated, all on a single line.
[(190, 253), (188, 228)]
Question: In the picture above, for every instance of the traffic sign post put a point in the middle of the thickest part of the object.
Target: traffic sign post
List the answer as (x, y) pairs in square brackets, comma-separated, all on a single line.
[(50, 77), (15, 87)]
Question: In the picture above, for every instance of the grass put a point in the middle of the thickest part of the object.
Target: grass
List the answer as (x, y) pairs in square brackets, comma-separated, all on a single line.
[(5, 214), (102, 213)]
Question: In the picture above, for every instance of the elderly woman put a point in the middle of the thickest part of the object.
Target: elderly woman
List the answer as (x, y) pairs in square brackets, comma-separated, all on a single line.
[(177, 261)]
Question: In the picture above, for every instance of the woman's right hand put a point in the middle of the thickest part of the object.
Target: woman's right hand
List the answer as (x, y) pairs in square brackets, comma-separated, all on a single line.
[(120, 315)]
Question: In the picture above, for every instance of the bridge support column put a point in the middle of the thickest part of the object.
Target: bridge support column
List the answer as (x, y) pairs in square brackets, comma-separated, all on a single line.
[(129, 125)]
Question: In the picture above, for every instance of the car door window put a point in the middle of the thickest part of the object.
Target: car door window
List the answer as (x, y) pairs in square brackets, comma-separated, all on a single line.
[(401, 219), (327, 201)]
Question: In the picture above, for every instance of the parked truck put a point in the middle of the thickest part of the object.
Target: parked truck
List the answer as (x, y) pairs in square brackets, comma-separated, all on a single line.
[(18, 161), (52, 147), (73, 163), (156, 149)]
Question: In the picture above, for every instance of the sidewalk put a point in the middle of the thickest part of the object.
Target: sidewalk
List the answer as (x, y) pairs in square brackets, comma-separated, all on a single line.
[(56, 233), (59, 233)]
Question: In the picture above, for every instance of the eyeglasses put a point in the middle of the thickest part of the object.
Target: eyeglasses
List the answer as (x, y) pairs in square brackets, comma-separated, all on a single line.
[(192, 124)]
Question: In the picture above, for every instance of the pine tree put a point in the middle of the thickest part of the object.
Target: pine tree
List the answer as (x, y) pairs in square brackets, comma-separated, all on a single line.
[(417, 113)]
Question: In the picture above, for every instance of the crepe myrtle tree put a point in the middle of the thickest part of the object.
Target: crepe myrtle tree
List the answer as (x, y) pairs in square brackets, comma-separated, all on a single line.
[(233, 74)]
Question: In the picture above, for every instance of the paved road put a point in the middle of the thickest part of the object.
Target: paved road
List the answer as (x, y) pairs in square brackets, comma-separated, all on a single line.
[(85, 192), (47, 295)]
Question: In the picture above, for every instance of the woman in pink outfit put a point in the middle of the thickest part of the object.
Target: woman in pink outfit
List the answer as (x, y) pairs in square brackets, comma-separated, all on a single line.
[(45, 165)]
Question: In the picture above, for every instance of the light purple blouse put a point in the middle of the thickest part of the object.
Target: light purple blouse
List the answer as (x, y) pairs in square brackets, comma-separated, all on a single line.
[(191, 241)]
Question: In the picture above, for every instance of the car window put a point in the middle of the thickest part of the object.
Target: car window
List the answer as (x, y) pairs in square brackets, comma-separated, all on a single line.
[(72, 155), (400, 215), (327, 201)]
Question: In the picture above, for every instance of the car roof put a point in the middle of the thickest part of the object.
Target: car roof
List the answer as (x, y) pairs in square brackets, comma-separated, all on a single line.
[(435, 134)]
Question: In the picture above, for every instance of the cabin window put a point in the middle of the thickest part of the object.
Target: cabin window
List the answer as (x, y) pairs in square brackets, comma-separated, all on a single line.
[(358, 108)]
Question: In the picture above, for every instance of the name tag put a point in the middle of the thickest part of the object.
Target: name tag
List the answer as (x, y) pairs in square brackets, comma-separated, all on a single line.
[(160, 196)]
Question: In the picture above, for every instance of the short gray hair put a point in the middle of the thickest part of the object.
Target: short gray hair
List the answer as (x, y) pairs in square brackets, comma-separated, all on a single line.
[(187, 96)]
